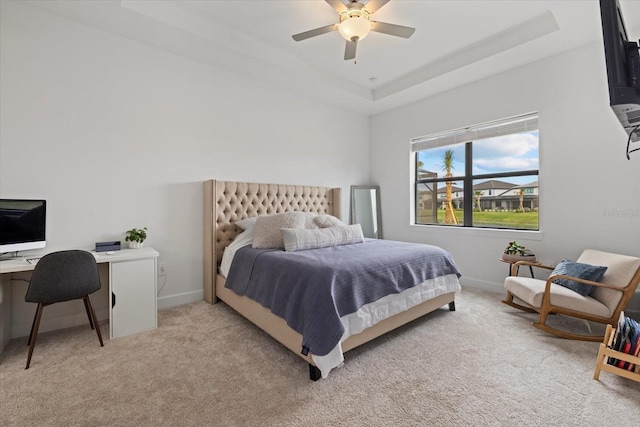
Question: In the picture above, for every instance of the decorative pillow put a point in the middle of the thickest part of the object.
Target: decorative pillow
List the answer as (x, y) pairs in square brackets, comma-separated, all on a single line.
[(581, 271), (326, 221), (308, 222), (267, 234), (299, 239), (247, 223)]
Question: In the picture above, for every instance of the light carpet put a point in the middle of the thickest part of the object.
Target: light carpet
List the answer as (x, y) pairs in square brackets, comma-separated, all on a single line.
[(484, 364)]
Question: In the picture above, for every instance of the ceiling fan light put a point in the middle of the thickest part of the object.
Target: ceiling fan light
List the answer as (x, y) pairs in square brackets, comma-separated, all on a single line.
[(355, 27)]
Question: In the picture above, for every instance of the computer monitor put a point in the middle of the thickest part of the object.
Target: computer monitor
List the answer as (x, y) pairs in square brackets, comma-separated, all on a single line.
[(22, 224)]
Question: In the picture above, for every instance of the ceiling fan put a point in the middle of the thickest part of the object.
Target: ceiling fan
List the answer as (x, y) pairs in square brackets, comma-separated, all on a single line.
[(355, 24)]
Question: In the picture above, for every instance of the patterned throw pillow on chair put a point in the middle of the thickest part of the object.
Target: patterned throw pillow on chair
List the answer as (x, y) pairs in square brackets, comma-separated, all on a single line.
[(581, 271)]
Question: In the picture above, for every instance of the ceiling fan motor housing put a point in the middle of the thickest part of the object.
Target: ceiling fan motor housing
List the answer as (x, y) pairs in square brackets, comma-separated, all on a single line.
[(355, 24), (354, 10), (358, 26)]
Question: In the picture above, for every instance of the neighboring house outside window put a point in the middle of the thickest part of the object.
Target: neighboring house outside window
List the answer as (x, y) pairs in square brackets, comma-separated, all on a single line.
[(480, 176)]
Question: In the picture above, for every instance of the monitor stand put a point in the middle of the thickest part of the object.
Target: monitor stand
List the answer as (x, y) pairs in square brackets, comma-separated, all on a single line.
[(4, 257)]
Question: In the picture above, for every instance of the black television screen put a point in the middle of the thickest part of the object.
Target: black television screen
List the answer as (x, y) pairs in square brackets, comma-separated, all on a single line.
[(623, 68), (22, 224)]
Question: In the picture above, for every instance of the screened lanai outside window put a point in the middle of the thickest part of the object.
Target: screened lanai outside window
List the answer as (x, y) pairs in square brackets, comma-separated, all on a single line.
[(481, 176)]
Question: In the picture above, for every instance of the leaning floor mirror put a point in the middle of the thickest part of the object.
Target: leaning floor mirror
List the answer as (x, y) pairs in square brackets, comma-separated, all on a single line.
[(365, 209)]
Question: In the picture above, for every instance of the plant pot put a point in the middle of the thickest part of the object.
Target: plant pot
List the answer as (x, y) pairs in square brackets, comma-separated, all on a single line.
[(516, 258), (135, 245)]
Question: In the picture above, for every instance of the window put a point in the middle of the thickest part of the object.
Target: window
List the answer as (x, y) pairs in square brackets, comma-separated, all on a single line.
[(481, 176)]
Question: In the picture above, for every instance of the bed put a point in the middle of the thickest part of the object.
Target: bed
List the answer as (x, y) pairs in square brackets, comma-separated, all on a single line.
[(227, 202)]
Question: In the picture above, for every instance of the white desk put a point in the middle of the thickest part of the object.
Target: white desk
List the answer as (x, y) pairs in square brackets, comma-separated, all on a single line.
[(131, 298)]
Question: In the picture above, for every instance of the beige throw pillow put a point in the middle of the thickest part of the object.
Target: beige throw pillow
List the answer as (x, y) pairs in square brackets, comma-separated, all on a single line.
[(250, 222), (326, 221), (309, 217), (267, 234)]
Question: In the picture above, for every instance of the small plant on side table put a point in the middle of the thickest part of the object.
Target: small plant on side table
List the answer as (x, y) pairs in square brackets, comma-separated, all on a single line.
[(516, 252), (136, 237), (513, 248)]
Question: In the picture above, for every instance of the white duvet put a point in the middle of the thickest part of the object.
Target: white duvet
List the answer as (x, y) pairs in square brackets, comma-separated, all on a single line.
[(369, 314)]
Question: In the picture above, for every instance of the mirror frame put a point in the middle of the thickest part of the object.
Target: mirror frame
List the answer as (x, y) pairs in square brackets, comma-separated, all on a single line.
[(378, 207)]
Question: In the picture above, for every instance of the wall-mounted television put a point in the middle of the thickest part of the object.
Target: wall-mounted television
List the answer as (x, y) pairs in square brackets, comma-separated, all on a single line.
[(623, 69), (22, 224)]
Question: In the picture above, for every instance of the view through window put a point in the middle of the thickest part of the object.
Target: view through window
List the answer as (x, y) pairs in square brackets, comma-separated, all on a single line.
[(483, 176)]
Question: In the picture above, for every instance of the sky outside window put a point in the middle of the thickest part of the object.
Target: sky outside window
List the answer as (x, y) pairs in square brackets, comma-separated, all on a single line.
[(509, 153)]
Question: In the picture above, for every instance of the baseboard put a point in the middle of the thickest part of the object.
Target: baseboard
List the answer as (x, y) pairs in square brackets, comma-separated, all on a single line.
[(180, 299), (483, 285)]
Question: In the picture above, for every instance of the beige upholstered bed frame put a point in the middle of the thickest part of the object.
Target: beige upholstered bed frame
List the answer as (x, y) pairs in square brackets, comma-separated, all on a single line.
[(226, 202)]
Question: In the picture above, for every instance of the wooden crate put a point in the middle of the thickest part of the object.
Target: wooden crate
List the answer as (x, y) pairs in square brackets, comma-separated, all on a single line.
[(606, 351)]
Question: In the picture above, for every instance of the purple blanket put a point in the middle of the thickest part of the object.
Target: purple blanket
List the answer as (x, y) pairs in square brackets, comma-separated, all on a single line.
[(312, 289)]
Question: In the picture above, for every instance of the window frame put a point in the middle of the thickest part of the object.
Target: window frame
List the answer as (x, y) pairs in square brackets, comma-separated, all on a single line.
[(497, 128)]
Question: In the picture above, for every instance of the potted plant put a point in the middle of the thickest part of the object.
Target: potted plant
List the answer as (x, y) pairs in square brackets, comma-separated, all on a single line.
[(516, 252), (136, 237)]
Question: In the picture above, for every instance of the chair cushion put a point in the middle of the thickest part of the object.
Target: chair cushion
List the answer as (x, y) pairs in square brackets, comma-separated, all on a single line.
[(620, 271), (531, 291), (581, 271)]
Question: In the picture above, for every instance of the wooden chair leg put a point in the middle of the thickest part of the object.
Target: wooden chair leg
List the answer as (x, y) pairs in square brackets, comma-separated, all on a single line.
[(543, 318), (542, 324), (508, 300), (33, 324), (568, 335), (34, 333), (86, 307), (87, 300)]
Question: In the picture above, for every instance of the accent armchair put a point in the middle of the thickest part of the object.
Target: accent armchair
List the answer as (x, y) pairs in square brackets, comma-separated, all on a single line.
[(610, 295)]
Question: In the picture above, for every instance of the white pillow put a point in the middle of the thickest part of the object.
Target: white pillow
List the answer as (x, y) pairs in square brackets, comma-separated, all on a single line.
[(247, 223), (299, 239), (267, 234), (325, 221)]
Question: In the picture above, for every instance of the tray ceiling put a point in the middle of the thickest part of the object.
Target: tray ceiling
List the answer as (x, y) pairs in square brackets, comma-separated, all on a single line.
[(455, 43)]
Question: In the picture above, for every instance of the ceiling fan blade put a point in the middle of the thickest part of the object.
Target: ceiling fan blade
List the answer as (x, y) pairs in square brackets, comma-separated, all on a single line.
[(392, 29), (337, 5), (350, 49), (374, 5), (316, 32)]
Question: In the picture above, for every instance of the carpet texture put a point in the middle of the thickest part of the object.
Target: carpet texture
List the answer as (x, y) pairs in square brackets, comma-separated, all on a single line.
[(484, 364)]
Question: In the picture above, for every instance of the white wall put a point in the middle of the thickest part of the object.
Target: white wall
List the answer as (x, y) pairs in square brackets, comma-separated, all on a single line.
[(589, 191), (116, 134)]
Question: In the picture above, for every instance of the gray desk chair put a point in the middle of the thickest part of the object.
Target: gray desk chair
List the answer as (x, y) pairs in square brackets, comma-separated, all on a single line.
[(63, 276)]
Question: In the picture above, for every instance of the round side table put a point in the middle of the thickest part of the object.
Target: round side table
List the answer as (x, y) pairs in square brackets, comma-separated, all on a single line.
[(511, 262)]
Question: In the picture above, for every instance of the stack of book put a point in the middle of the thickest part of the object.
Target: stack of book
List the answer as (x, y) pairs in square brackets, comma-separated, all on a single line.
[(626, 339)]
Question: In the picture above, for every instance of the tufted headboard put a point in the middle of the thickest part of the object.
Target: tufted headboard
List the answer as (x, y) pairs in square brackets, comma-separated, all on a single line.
[(226, 202)]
